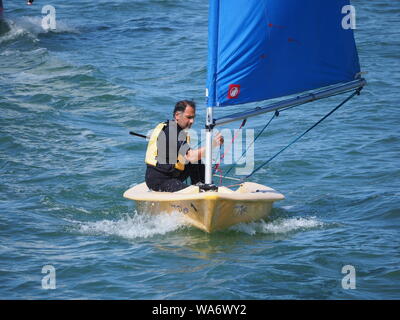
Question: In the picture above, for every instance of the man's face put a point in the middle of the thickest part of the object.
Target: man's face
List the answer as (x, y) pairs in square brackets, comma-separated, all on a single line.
[(185, 119)]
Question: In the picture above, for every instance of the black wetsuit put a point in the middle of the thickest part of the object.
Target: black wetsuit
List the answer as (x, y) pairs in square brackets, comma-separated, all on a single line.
[(164, 176)]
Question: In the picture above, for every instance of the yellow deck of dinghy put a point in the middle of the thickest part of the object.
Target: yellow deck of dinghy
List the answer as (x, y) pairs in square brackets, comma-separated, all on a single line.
[(209, 211)]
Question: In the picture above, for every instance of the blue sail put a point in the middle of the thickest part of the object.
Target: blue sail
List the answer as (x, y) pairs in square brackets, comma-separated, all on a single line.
[(263, 49)]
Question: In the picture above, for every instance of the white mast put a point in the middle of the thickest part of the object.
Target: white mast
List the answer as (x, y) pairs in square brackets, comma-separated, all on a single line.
[(208, 155)]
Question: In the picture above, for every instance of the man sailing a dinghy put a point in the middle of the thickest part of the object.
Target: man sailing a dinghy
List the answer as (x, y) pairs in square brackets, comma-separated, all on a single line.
[(169, 158)]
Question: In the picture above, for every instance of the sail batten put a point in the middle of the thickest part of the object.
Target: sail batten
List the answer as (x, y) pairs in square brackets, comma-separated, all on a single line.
[(264, 49)]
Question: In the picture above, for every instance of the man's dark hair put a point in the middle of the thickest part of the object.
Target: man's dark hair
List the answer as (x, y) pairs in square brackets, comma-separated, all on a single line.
[(181, 106)]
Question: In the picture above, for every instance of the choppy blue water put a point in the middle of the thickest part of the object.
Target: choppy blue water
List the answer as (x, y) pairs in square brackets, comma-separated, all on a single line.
[(68, 99)]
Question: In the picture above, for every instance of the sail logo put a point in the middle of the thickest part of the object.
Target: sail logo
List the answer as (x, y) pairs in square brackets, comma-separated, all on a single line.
[(234, 90)]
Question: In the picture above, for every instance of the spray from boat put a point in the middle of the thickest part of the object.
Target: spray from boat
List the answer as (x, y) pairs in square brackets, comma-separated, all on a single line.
[(142, 226), (133, 226)]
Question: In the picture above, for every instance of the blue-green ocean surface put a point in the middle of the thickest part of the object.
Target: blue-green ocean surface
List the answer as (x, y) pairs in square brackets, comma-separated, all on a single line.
[(69, 97)]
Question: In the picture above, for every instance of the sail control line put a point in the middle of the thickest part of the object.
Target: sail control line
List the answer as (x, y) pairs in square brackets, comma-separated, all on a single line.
[(357, 92), (276, 114), (222, 155), (356, 85)]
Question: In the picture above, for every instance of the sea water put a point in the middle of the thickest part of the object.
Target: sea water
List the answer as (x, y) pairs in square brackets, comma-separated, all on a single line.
[(70, 95)]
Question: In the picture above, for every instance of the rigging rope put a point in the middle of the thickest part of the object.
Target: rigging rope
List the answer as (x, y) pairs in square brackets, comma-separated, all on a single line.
[(222, 155), (276, 114), (357, 92)]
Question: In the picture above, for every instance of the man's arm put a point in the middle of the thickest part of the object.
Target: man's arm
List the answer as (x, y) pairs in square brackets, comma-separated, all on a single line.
[(194, 156)]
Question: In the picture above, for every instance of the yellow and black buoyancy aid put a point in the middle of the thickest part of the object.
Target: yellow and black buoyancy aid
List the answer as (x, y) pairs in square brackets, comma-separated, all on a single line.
[(152, 148)]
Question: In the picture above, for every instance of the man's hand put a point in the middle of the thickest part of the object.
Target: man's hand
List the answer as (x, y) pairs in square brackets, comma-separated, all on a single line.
[(195, 155), (218, 140)]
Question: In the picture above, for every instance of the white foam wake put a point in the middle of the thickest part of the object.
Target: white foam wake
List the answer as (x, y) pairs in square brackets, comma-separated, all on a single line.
[(279, 226), (32, 27), (15, 32), (136, 226)]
